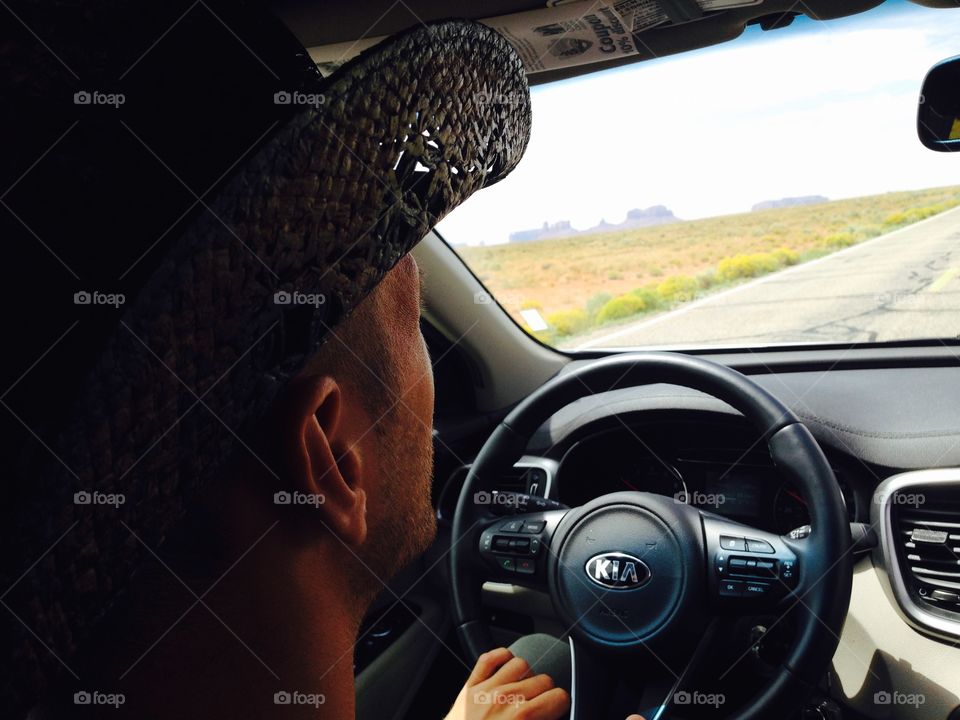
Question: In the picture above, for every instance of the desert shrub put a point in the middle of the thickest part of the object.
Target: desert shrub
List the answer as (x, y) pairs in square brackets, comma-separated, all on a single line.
[(707, 280), (922, 213), (614, 276), (596, 302), (839, 240), (677, 288), (620, 307), (897, 218), (746, 266), (786, 256), (733, 267), (651, 300), (568, 322), (531, 305)]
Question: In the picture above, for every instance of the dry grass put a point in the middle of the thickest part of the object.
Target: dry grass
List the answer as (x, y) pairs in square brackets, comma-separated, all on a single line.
[(561, 276)]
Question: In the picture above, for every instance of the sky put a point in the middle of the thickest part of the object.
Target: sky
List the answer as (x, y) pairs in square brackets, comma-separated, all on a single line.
[(813, 109)]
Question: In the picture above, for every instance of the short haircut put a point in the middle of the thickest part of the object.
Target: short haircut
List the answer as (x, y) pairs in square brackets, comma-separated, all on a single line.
[(356, 354)]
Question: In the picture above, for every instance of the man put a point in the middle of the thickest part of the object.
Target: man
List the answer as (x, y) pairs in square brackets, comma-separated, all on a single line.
[(285, 585), (218, 422)]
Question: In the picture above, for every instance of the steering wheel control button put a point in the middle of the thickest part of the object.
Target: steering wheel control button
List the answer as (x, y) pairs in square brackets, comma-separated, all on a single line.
[(756, 546), (787, 571), (755, 589), (486, 541), (728, 542), (509, 546), (526, 566), (766, 569), (752, 567), (731, 588)]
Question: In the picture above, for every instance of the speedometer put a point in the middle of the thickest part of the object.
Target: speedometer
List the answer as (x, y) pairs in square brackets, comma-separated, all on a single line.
[(654, 477), (791, 511)]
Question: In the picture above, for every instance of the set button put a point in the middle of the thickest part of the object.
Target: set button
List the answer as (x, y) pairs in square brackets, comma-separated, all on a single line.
[(788, 570)]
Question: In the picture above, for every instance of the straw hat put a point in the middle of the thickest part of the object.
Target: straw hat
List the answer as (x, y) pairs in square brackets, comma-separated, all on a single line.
[(211, 209)]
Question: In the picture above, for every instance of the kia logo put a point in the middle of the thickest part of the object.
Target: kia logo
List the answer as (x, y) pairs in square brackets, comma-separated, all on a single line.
[(617, 571)]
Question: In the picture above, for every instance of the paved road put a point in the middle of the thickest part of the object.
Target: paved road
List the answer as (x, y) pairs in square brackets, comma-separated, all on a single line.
[(903, 285)]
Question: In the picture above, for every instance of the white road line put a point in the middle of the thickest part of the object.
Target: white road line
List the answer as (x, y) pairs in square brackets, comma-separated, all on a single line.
[(673, 314)]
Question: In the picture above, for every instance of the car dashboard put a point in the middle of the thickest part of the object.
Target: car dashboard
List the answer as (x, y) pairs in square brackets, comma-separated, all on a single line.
[(707, 465), (879, 427)]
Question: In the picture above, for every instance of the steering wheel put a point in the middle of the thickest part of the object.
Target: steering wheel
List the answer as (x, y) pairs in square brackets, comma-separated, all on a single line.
[(642, 580)]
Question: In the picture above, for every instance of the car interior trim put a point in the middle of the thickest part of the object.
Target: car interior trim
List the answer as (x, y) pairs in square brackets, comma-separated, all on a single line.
[(895, 585)]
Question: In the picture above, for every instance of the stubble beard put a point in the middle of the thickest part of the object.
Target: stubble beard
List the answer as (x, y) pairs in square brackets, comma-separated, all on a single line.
[(407, 526)]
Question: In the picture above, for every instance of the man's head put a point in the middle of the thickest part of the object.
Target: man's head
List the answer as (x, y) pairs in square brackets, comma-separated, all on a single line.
[(302, 529), (344, 460), (354, 431)]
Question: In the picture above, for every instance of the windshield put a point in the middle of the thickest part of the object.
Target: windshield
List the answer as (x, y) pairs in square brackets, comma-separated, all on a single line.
[(767, 191)]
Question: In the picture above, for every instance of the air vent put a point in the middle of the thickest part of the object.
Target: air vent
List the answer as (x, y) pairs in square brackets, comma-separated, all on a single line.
[(919, 518), (927, 523), (524, 479), (531, 475)]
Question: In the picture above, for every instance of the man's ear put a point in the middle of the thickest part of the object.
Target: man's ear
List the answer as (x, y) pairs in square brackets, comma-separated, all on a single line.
[(324, 468)]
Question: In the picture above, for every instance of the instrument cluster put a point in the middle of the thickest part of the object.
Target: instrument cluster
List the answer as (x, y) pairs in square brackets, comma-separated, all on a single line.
[(731, 476)]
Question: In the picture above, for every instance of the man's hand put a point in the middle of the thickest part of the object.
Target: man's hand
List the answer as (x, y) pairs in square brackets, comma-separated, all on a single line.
[(501, 686)]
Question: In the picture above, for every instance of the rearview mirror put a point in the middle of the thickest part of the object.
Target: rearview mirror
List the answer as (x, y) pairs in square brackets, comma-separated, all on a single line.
[(938, 120)]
